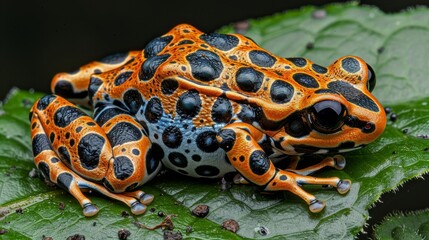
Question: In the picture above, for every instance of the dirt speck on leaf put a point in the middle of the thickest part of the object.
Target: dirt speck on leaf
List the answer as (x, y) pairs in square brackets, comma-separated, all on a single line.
[(167, 223), (123, 234), (393, 117), (46, 238), (309, 45), (200, 211), (170, 235), (61, 206), (76, 237), (161, 214), (231, 225), (125, 214), (19, 211)]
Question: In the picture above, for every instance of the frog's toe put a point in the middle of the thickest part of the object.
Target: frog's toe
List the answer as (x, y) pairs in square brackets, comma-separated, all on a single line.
[(138, 208), (343, 186), (238, 179), (89, 210), (340, 162), (316, 206), (146, 198)]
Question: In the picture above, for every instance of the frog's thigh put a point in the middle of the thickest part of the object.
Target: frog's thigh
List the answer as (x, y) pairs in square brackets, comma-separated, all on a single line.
[(79, 142), (240, 141), (66, 141), (134, 162)]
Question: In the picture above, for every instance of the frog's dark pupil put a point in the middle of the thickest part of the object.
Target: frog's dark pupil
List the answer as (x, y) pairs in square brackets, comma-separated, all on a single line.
[(371, 78), (327, 116), (298, 128)]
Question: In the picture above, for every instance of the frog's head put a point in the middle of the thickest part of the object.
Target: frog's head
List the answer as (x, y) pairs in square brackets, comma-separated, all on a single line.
[(341, 113)]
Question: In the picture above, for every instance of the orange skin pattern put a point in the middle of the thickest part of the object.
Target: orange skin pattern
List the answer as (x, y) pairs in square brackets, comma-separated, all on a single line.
[(203, 105)]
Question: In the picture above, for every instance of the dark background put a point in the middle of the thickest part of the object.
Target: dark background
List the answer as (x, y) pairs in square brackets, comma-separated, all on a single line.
[(41, 38)]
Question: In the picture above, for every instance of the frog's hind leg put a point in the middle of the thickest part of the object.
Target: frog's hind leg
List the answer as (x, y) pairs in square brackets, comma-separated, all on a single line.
[(54, 170), (74, 85), (239, 140), (76, 144), (137, 207), (57, 172)]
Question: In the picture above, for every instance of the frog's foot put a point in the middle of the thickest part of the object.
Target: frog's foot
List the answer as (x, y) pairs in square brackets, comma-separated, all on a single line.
[(284, 180), (239, 140), (238, 179), (337, 162), (58, 173), (132, 199), (143, 197)]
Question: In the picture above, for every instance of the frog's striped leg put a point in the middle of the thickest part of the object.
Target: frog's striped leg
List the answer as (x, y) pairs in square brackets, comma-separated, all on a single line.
[(239, 140), (77, 145), (131, 147), (74, 85), (338, 162)]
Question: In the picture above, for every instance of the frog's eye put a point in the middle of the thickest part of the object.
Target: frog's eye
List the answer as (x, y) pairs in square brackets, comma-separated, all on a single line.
[(327, 116), (371, 78)]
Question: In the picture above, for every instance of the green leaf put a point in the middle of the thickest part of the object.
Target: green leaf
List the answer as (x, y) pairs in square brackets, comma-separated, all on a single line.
[(397, 156), (413, 225)]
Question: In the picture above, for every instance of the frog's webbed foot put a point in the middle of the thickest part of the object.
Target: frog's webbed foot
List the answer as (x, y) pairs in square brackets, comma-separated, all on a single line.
[(144, 198), (132, 199), (240, 142), (284, 180)]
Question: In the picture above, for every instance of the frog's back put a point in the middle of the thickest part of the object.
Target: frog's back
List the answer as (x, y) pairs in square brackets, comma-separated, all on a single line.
[(185, 86)]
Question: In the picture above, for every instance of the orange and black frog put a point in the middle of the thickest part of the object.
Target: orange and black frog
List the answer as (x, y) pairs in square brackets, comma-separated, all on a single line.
[(202, 105)]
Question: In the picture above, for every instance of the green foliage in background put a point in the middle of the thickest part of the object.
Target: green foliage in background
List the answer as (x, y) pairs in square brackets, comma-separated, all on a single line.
[(414, 225)]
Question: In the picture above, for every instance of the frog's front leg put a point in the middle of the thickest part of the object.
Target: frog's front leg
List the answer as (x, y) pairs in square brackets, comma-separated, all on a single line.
[(239, 140), (75, 153), (338, 162)]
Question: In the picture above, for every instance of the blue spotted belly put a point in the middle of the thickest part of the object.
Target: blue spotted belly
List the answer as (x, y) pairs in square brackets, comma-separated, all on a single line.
[(186, 149)]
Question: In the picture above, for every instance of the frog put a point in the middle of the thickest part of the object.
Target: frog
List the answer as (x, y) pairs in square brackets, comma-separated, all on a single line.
[(203, 105)]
